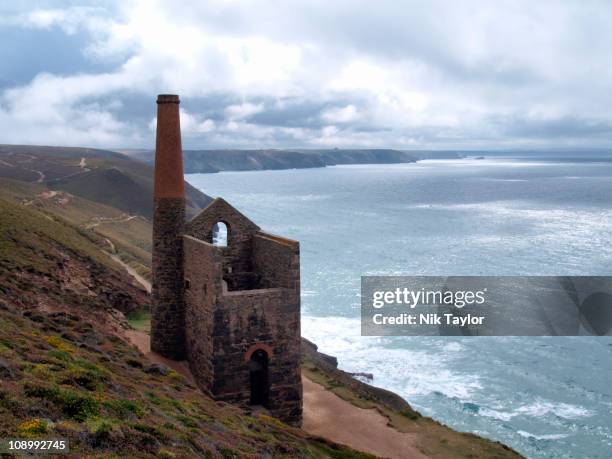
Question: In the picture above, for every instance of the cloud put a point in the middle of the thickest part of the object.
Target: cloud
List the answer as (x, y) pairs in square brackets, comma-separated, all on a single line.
[(344, 73), (243, 110), (341, 115)]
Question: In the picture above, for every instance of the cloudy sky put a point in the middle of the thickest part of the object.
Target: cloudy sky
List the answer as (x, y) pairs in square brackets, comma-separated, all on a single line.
[(315, 73)]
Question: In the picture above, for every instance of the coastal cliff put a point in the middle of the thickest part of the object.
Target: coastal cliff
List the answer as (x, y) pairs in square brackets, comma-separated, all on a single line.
[(207, 161)]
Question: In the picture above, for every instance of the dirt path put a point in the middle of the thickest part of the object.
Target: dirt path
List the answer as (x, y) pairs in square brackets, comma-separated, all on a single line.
[(113, 248), (48, 194), (101, 220), (328, 416), (141, 280)]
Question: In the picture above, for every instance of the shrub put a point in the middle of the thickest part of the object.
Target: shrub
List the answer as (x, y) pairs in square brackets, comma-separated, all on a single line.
[(77, 406), (87, 379), (154, 432), (101, 433), (62, 356), (59, 344), (123, 408), (32, 427), (73, 404), (187, 421), (412, 415), (175, 376)]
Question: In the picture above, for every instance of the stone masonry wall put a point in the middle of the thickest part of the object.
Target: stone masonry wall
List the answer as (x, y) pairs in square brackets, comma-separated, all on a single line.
[(223, 326), (244, 319), (168, 315), (237, 254), (277, 260), (202, 287)]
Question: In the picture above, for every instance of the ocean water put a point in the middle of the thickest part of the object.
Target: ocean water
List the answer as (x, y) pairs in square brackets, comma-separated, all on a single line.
[(545, 397)]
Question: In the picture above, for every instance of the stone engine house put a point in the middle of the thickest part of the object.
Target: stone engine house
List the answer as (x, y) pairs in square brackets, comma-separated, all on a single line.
[(231, 310)]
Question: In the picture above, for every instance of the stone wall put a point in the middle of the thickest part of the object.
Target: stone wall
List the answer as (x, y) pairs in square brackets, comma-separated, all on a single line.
[(240, 231), (223, 327), (168, 315), (269, 317), (277, 261), (202, 287)]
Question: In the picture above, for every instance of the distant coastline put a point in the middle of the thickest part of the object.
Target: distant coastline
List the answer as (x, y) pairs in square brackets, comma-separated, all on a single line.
[(216, 160), (212, 161)]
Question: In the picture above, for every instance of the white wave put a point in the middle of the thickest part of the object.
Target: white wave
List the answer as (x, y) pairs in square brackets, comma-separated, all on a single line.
[(522, 433), (504, 180), (563, 410), (453, 346), (495, 414), (407, 371), (310, 197), (495, 162)]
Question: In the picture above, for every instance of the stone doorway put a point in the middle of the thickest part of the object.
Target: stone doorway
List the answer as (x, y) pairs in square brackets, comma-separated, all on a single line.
[(258, 375)]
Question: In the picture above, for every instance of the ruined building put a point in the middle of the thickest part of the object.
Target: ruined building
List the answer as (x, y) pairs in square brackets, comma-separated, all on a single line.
[(233, 311)]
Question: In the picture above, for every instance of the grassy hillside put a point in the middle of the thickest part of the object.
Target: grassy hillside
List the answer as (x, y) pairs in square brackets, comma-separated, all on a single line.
[(125, 235), (102, 176), (63, 377), (65, 371), (47, 262), (100, 191)]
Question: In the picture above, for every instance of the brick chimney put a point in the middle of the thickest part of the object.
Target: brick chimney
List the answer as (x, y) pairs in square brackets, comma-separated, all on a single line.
[(168, 312)]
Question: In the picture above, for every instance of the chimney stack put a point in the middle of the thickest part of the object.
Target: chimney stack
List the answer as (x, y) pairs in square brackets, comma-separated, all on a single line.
[(168, 312)]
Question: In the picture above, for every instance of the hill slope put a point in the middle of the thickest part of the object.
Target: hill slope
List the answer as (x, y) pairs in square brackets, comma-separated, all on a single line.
[(45, 262), (66, 372), (124, 235), (99, 175)]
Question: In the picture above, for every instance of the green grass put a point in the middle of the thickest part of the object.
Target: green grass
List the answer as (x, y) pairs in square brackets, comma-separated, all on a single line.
[(108, 407), (27, 235), (140, 320), (131, 238)]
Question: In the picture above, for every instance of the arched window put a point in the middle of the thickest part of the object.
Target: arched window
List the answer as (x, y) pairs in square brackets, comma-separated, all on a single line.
[(220, 234), (258, 376)]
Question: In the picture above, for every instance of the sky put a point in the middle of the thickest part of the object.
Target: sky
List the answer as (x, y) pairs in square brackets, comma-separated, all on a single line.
[(309, 74)]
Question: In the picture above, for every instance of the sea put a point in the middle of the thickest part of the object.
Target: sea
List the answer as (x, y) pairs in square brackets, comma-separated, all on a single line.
[(502, 214)]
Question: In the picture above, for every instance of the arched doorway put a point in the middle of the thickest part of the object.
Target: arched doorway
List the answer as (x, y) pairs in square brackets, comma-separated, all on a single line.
[(258, 375)]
